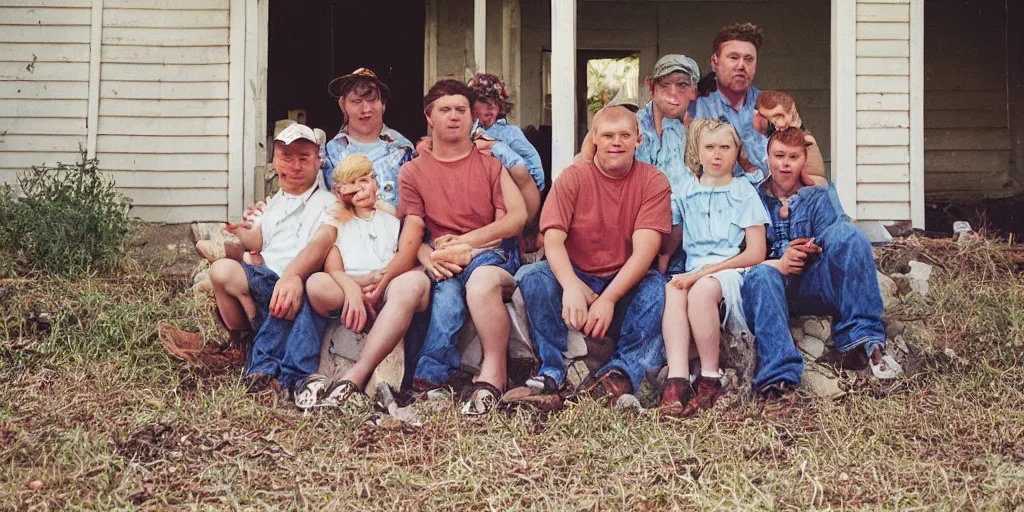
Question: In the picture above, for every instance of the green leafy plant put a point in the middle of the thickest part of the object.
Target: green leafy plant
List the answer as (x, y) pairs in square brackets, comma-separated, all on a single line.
[(65, 219)]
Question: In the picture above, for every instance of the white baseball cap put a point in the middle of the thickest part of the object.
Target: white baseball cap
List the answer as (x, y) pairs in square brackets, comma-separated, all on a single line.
[(296, 131)]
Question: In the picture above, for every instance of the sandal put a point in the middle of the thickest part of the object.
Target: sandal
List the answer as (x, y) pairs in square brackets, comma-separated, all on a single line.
[(484, 399), (309, 391), (339, 393), (883, 366)]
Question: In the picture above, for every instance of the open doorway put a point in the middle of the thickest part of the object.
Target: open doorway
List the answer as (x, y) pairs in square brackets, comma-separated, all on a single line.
[(312, 42), (601, 75)]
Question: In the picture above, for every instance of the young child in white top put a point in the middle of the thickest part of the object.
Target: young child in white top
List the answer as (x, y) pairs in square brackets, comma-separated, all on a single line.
[(720, 213), (367, 241)]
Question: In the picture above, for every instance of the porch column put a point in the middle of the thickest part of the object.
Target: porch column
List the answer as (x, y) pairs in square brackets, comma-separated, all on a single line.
[(844, 103), (563, 85), (480, 34)]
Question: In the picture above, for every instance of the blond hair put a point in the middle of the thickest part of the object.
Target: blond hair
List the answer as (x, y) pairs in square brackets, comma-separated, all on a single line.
[(699, 128), (353, 167)]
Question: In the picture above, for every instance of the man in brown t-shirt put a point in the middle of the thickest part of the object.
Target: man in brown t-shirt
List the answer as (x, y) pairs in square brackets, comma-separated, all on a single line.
[(463, 198), (603, 224)]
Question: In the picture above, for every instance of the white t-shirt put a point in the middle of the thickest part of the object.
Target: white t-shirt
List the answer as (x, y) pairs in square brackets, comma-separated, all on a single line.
[(367, 245), (287, 223)]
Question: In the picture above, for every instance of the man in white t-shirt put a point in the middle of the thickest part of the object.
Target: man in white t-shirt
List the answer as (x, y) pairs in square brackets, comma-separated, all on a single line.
[(268, 299), (367, 241)]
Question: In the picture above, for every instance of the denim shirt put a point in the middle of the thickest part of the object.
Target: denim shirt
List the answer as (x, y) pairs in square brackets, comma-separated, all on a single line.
[(811, 211), (502, 151), (715, 219), (717, 106), (664, 152), (511, 135), (387, 160)]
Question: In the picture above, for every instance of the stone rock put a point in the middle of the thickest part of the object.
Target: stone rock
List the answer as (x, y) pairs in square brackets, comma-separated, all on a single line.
[(812, 346), (628, 402), (821, 382), (797, 332), (576, 372), (819, 327), (520, 344), (894, 329), (739, 352), (919, 275), (576, 345), (888, 289), (339, 351)]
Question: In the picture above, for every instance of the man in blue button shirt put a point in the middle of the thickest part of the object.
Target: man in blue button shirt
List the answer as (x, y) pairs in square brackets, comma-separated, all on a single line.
[(734, 60)]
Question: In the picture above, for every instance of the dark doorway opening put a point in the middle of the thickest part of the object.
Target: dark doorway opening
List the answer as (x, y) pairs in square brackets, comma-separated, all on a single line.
[(312, 42)]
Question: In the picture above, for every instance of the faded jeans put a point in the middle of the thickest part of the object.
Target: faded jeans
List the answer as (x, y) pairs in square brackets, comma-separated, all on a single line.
[(635, 327), (840, 282), (287, 349), (439, 357)]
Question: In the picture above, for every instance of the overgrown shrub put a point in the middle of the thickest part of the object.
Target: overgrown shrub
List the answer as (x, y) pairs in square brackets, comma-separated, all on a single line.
[(64, 219)]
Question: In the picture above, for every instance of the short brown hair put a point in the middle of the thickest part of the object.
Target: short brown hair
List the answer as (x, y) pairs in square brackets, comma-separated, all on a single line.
[(772, 99), (738, 32), (362, 87), (447, 87), (793, 137)]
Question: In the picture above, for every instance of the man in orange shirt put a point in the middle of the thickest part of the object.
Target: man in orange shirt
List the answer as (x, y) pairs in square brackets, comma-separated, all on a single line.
[(603, 224)]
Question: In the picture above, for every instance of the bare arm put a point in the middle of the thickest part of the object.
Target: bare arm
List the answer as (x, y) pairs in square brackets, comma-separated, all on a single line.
[(646, 243), (507, 226), (251, 238), (669, 244), (558, 258), (311, 257), (287, 298), (528, 188), (815, 162), (757, 247), (587, 150)]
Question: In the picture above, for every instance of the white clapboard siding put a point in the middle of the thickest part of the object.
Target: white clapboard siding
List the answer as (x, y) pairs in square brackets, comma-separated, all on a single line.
[(44, 108), (37, 52), (166, 54), (163, 106), (44, 82), (168, 126), (178, 18), (47, 71), (181, 213), (883, 110), (165, 36), (170, 179), (116, 89), (44, 34), (967, 138)]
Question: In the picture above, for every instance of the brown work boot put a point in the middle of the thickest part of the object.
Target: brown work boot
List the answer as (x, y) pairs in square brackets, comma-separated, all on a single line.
[(707, 391), (611, 386), (678, 393)]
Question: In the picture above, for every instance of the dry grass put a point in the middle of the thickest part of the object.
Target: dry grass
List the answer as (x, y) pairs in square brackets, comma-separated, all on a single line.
[(94, 411)]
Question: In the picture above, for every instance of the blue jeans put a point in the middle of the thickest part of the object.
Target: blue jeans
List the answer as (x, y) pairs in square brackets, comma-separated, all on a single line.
[(439, 357), (676, 262), (636, 326), (287, 349), (840, 282)]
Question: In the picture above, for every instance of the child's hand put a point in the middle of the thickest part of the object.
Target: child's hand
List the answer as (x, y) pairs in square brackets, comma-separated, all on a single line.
[(444, 241), (685, 281)]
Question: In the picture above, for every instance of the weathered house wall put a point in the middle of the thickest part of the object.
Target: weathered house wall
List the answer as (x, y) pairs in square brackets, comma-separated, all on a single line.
[(159, 104)]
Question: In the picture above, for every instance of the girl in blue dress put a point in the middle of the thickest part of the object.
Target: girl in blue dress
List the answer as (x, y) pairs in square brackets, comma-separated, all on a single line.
[(721, 214)]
